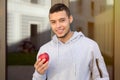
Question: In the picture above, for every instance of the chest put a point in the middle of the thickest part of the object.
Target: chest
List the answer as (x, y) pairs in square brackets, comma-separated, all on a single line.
[(70, 55)]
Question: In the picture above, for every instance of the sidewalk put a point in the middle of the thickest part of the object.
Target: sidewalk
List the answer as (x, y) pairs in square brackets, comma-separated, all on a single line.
[(20, 72)]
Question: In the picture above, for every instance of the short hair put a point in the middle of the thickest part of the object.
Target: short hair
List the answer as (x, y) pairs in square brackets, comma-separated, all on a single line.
[(59, 7)]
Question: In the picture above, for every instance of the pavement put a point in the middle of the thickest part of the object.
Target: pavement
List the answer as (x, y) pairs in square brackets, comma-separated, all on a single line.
[(20, 72), (25, 72)]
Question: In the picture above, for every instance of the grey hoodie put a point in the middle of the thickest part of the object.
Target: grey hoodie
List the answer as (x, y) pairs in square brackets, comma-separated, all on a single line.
[(77, 59)]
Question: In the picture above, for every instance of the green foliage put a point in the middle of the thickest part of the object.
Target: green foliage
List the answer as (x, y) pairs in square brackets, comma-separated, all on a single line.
[(21, 58), (30, 58)]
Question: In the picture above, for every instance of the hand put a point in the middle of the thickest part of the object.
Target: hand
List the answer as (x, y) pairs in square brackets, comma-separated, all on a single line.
[(40, 67)]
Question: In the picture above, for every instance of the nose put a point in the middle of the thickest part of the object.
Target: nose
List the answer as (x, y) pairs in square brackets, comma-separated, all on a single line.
[(58, 24)]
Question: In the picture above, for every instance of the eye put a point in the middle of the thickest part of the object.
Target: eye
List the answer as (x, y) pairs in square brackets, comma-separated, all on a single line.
[(52, 22), (62, 20)]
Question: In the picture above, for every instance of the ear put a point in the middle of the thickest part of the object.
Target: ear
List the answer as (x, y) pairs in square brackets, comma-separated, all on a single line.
[(71, 18)]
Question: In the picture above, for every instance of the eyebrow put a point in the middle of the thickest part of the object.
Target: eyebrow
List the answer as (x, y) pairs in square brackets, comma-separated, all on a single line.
[(59, 19)]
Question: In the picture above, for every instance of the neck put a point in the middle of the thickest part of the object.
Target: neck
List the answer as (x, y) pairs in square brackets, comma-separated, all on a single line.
[(67, 37)]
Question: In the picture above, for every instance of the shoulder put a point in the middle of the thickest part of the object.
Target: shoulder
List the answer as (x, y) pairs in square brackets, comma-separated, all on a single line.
[(46, 45), (89, 42), (44, 48), (84, 40)]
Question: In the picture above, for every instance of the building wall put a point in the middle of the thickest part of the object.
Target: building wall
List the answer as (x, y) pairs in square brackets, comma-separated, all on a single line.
[(84, 12), (103, 32), (2, 40), (20, 18), (117, 41)]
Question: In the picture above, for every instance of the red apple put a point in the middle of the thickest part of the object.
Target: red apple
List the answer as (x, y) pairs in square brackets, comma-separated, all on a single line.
[(44, 56)]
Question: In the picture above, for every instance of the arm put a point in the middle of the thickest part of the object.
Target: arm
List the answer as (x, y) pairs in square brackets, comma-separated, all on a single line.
[(37, 76), (40, 70), (98, 67)]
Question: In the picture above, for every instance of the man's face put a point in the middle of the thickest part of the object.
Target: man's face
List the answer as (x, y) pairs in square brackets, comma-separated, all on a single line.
[(60, 23)]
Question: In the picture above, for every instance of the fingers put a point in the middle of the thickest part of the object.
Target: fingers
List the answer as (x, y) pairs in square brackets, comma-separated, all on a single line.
[(43, 68), (38, 63), (40, 67)]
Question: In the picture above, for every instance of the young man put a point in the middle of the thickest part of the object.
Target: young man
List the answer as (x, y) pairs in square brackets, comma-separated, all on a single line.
[(72, 55)]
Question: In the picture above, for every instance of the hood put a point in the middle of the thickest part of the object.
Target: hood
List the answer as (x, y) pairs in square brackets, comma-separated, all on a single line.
[(76, 36)]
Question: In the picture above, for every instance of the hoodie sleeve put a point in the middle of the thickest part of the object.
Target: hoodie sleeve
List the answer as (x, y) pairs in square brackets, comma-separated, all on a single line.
[(98, 67), (37, 76)]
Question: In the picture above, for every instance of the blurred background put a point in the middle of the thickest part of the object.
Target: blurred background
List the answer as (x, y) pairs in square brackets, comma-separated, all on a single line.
[(24, 27)]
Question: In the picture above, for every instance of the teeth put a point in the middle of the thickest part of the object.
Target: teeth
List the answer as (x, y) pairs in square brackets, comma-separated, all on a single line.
[(59, 31)]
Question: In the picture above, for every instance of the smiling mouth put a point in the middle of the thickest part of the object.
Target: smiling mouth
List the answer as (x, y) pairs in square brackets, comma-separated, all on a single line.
[(60, 31)]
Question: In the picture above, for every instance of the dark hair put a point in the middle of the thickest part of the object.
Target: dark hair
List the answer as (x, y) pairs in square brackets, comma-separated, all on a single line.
[(59, 7)]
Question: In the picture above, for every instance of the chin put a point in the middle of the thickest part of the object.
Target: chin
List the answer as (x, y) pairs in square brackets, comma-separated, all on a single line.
[(61, 36)]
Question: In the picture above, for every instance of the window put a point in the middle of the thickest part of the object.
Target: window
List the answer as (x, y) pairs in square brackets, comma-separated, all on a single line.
[(33, 30)]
